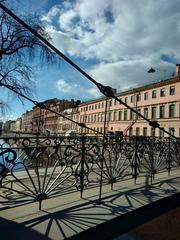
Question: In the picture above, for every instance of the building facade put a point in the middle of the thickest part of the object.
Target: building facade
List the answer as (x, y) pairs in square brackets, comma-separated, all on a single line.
[(18, 124), (65, 124), (40, 120), (52, 121), (9, 126), (27, 121), (157, 102)]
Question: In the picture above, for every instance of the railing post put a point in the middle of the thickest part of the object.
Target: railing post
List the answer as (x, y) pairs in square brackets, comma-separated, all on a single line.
[(135, 162), (169, 156), (82, 165), (101, 176), (80, 173), (153, 170), (151, 161)]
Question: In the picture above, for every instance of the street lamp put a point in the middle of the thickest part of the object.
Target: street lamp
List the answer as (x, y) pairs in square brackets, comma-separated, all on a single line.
[(164, 71), (151, 70)]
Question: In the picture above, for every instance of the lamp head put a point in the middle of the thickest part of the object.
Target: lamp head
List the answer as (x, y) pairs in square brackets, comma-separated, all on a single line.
[(151, 70)]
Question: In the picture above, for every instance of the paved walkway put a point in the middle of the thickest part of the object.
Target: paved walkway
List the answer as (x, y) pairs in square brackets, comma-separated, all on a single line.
[(67, 215)]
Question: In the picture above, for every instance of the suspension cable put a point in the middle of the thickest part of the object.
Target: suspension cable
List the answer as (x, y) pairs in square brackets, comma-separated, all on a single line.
[(106, 90)]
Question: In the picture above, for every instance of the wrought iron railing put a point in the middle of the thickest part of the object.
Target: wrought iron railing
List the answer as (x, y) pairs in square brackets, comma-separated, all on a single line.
[(37, 168)]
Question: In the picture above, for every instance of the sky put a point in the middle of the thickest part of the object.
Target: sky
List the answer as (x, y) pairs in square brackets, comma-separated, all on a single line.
[(114, 41)]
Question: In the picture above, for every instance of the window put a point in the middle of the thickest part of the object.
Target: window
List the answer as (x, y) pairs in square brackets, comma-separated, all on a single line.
[(109, 116), (171, 110), (115, 101), (138, 97), (161, 133), (89, 108), (139, 111), (120, 115), (154, 94), (115, 115), (131, 115), (112, 116), (132, 99), (125, 99), (98, 117), (146, 96), (153, 132), (145, 131), (95, 106), (130, 131), (146, 112), (137, 131), (103, 117), (99, 106), (153, 113), (92, 118), (102, 105), (110, 103), (92, 107), (162, 92), (171, 130), (161, 112), (125, 114), (172, 90)]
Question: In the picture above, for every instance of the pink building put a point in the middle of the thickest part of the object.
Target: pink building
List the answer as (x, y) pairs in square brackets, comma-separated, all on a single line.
[(157, 101)]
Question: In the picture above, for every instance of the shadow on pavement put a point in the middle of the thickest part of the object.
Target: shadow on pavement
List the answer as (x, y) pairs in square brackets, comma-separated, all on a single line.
[(11, 230)]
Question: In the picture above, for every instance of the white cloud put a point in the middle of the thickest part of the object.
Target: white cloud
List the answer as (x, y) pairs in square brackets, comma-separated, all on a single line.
[(126, 74), (63, 86), (66, 20), (127, 37), (51, 14), (76, 89)]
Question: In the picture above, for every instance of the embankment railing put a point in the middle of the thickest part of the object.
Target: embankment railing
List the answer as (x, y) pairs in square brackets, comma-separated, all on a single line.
[(36, 168)]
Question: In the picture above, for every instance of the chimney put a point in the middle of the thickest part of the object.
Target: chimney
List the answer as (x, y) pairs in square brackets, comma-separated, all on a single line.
[(177, 70)]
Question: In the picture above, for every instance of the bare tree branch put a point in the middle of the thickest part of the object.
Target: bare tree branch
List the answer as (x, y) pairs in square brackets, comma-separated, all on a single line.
[(18, 50), (17, 40)]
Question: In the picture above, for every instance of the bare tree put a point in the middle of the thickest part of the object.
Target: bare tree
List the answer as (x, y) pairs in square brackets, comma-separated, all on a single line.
[(18, 49), (16, 40)]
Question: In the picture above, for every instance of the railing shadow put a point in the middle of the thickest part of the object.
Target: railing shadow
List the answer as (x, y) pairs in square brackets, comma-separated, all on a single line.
[(12, 230), (82, 216)]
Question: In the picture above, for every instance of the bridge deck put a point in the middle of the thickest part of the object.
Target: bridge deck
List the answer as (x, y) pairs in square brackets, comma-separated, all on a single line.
[(69, 215)]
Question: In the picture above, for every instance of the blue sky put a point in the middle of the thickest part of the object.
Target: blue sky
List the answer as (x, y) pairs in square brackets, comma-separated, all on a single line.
[(115, 41)]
